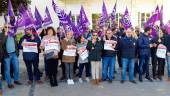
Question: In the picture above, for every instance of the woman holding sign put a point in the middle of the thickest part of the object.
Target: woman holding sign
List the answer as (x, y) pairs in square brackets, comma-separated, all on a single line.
[(68, 44), (95, 47), (51, 46), (109, 56), (30, 44), (83, 58)]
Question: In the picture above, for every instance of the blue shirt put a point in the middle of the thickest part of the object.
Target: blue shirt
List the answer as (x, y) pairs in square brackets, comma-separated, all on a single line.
[(10, 44)]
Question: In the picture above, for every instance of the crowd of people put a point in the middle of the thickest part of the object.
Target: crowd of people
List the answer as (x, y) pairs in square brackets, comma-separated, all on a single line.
[(97, 52)]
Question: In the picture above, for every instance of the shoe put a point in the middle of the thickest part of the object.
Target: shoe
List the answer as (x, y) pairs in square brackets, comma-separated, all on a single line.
[(72, 82), (11, 86), (97, 81), (149, 79), (29, 82), (87, 79), (160, 78), (168, 79), (39, 82), (110, 81), (80, 80), (133, 81), (68, 82), (62, 78), (93, 82), (122, 81), (154, 77), (17, 83)]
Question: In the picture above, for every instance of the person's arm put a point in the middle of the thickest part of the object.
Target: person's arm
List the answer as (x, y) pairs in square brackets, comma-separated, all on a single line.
[(141, 44)]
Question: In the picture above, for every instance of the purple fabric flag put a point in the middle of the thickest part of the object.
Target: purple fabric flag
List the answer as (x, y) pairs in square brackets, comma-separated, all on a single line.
[(54, 6), (10, 9), (20, 19), (151, 21), (113, 14), (38, 19), (104, 16), (167, 27), (161, 17), (47, 20), (83, 21), (125, 20)]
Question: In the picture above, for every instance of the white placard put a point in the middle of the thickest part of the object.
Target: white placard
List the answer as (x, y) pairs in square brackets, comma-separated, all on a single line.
[(30, 47), (84, 55), (161, 52), (70, 52), (108, 45), (52, 45)]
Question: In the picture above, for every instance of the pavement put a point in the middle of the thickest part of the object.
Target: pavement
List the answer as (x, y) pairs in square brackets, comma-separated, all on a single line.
[(156, 88)]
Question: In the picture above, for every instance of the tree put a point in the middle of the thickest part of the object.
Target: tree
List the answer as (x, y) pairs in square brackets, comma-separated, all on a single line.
[(15, 4)]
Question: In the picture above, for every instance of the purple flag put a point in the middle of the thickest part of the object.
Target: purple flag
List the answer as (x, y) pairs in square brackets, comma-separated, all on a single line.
[(113, 14), (151, 21), (20, 19), (10, 9), (38, 19), (83, 21), (167, 27), (161, 17), (104, 16), (47, 20), (125, 20)]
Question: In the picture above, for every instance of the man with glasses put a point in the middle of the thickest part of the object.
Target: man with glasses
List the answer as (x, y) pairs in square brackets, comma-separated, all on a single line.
[(10, 49)]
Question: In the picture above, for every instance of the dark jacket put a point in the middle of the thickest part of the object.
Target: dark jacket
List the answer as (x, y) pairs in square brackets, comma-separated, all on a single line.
[(30, 55), (4, 40), (1, 50), (143, 45), (167, 42), (109, 53), (127, 47), (95, 50)]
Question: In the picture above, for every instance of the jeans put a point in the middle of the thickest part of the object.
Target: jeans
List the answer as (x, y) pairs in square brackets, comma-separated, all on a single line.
[(12, 59), (143, 61), (108, 66), (130, 63), (168, 63), (29, 64), (69, 70), (81, 67)]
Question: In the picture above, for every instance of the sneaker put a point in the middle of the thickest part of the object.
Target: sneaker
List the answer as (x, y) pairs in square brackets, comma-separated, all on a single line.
[(87, 79), (69, 82), (11, 86), (122, 81), (72, 82), (133, 81), (29, 82), (39, 82), (149, 79), (17, 83), (80, 80)]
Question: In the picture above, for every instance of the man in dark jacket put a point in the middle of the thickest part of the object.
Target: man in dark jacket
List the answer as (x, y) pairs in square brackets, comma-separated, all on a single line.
[(144, 53), (109, 56), (167, 44), (127, 47), (10, 51)]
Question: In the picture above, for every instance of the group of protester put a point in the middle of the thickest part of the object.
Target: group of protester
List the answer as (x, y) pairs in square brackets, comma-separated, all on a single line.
[(96, 53)]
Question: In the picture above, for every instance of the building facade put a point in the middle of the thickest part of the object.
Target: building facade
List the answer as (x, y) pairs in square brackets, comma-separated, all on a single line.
[(140, 10)]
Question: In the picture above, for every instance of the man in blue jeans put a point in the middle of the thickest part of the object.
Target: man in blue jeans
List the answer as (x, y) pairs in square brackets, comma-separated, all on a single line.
[(127, 47), (10, 49), (144, 53), (109, 56), (167, 44)]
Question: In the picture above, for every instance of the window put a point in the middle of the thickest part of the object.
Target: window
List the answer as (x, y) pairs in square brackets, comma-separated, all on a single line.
[(142, 18)]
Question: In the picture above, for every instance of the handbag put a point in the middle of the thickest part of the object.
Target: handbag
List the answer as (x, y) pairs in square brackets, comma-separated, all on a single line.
[(49, 55)]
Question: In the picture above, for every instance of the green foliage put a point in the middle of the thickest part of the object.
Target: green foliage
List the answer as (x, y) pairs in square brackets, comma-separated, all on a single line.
[(15, 4)]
